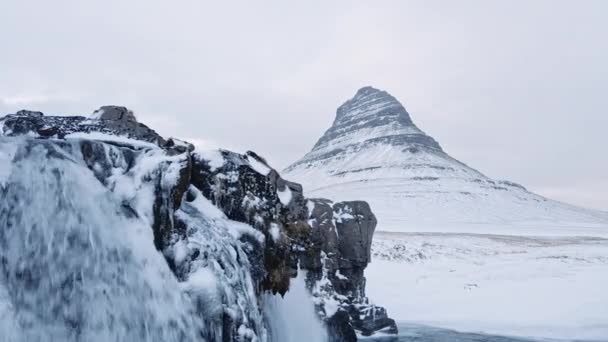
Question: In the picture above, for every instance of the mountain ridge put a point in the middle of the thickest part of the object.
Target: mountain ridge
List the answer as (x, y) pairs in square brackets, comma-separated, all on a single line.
[(375, 151)]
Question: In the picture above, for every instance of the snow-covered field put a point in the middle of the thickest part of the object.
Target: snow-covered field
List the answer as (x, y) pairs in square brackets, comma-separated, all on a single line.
[(534, 276), (542, 287)]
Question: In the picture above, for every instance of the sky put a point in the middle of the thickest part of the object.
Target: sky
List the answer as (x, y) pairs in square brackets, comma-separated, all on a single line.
[(515, 89)]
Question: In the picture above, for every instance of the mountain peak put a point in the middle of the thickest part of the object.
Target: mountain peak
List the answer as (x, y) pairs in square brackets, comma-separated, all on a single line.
[(370, 101), (371, 117), (373, 151), (368, 90)]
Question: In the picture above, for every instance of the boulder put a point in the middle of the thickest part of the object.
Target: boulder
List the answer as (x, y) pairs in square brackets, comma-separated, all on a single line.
[(114, 113), (355, 223)]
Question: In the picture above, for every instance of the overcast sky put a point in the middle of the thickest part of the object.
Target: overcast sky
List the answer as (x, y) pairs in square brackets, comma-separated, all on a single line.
[(515, 89)]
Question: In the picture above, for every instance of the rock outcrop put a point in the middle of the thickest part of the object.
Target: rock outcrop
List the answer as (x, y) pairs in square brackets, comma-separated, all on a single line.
[(220, 218), (111, 120), (340, 251)]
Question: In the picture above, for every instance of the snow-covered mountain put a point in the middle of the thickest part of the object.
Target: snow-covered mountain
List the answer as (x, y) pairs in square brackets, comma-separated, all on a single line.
[(375, 152)]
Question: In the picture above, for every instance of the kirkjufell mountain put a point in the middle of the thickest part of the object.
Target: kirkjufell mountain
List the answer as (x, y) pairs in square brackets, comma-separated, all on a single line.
[(375, 152)]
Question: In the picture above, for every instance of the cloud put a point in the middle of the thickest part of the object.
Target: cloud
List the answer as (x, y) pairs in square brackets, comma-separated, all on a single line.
[(515, 91)]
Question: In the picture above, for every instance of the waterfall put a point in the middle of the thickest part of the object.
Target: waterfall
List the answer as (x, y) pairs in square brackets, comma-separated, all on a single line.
[(78, 260), (77, 266), (292, 318)]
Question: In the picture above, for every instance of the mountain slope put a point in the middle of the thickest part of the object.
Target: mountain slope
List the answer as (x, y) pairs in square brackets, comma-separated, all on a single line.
[(375, 152)]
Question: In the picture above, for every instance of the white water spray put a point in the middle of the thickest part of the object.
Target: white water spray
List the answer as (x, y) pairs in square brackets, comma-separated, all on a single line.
[(75, 267), (292, 318)]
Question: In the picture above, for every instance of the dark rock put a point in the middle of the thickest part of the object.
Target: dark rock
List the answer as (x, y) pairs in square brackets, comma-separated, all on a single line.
[(248, 196), (342, 235), (25, 112), (340, 329), (114, 113), (48, 131), (355, 224), (117, 121), (369, 319)]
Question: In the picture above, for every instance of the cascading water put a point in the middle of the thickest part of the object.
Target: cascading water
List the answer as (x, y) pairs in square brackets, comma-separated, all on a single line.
[(109, 232), (292, 318), (75, 265), (78, 260)]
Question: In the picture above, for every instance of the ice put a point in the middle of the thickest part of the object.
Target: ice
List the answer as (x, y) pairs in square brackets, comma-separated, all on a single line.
[(224, 273), (7, 153), (88, 264)]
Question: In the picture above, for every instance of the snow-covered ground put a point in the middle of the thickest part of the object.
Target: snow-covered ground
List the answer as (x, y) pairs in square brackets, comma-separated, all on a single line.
[(535, 275), (543, 287)]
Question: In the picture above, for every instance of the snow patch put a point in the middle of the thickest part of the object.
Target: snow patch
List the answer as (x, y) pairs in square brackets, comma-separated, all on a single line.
[(341, 276), (275, 232), (258, 166), (285, 196), (331, 307), (97, 114), (111, 138), (213, 156), (236, 229)]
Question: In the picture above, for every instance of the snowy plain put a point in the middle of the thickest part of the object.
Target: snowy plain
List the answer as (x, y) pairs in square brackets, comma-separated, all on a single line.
[(538, 287)]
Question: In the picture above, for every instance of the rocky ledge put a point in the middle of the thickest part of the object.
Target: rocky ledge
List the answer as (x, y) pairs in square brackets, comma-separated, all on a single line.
[(282, 232)]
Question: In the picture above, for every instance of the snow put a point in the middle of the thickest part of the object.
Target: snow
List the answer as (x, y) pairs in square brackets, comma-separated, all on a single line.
[(342, 215), (213, 213), (97, 114), (133, 185), (220, 281), (331, 307), (213, 156), (540, 272), (543, 287), (258, 166), (111, 138), (412, 185), (340, 275), (310, 205), (275, 232), (430, 192), (285, 195)]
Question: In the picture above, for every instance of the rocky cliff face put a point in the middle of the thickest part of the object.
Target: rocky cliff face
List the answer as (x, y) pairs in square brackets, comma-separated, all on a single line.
[(229, 228)]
